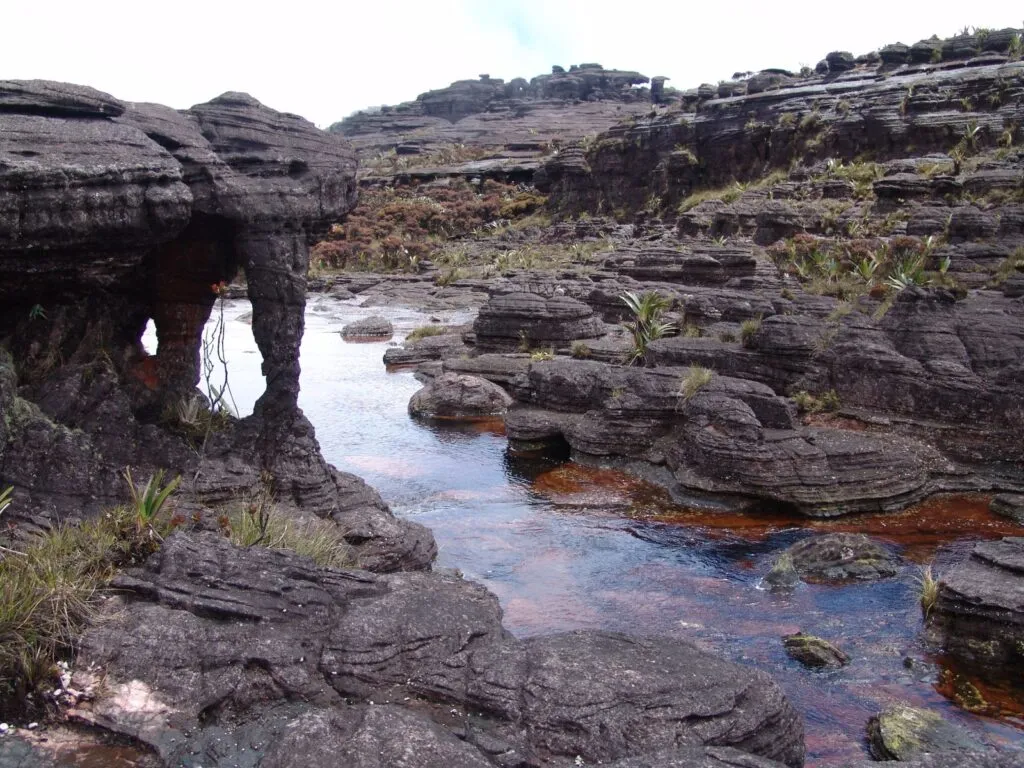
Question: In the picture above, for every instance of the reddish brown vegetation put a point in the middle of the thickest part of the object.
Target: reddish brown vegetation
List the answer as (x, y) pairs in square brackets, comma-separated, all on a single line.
[(395, 228)]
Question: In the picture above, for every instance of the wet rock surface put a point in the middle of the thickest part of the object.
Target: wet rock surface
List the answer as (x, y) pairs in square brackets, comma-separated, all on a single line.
[(904, 733), (330, 637), (1009, 505), (813, 652), (842, 557)]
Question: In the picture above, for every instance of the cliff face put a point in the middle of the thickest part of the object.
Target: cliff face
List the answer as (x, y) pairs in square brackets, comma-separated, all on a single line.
[(880, 109), (113, 214), (492, 127)]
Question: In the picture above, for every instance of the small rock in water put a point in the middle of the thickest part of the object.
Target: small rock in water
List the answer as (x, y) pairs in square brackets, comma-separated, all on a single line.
[(842, 557), (369, 327), (813, 651), (783, 575), (903, 733)]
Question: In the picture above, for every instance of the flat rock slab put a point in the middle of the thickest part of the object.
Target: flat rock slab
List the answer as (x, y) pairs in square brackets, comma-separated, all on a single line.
[(375, 327)]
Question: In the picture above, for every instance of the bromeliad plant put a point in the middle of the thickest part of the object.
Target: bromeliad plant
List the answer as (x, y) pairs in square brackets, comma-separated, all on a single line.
[(646, 325), (149, 498)]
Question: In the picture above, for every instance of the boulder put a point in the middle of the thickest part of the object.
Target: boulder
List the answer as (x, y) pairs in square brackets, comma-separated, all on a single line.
[(978, 616), (459, 396), (842, 557), (373, 327), (840, 61)]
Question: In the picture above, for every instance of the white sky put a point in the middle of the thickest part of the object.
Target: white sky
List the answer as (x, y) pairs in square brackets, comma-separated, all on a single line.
[(324, 59)]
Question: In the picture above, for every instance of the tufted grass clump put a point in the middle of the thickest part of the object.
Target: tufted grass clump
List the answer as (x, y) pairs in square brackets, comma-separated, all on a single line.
[(428, 330), (51, 589), (807, 402), (695, 380), (260, 524), (929, 590), (581, 350), (749, 329)]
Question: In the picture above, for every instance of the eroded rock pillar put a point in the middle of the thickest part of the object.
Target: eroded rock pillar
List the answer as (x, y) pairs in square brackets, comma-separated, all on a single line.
[(275, 267)]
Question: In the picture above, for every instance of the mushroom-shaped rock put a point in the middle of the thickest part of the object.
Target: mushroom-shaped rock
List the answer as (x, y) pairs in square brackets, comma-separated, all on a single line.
[(842, 557), (458, 396), (373, 327), (812, 651)]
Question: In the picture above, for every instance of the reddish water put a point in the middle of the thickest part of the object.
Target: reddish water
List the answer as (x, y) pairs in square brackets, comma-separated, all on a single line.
[(569, 547)]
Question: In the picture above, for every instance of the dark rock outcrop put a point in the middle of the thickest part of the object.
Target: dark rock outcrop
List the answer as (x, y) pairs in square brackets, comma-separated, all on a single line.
[(209, 634), (509, 321)]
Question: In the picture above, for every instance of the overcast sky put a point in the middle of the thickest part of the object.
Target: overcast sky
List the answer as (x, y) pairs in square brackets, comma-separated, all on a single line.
[(324, 59)]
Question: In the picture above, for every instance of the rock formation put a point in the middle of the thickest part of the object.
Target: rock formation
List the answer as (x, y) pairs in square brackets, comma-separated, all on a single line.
[(114, 214), (260, 650)]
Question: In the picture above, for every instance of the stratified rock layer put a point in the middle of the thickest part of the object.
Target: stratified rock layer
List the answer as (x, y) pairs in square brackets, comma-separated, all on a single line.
[(979, 614), (208, 633)]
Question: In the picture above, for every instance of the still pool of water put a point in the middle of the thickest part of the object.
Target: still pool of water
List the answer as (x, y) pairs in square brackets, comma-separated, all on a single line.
[(571, 547)]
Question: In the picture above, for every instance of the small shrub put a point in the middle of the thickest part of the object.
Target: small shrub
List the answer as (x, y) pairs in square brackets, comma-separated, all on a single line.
[(1012, 263), (693, 331), (448, 277), (809, 403), (541, 355), (580, 350), (749, 329), (696, 379)]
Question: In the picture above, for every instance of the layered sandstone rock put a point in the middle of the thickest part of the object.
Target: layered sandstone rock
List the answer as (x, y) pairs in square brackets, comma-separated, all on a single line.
[(114, 214), (208, 634)]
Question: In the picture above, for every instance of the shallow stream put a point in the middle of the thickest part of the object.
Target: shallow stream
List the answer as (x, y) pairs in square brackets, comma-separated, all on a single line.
[(571, 547)]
